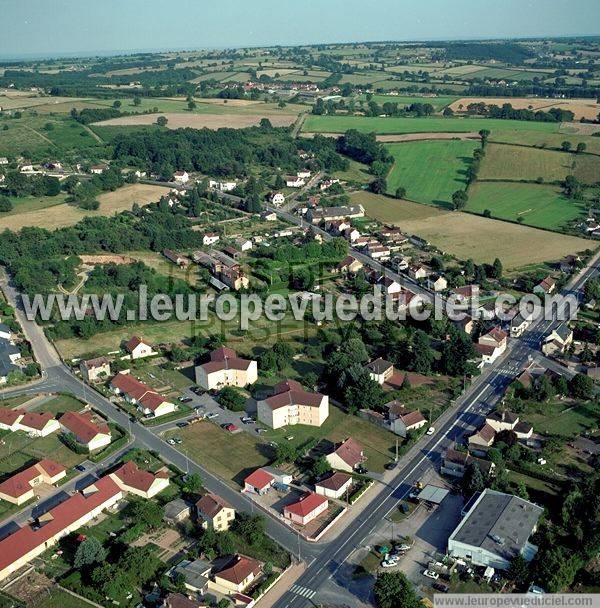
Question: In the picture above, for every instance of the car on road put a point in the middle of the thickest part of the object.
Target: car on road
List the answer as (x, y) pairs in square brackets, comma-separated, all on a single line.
[(431, 574), (197, 390), (430, 430), (80, 467), (183, 424)]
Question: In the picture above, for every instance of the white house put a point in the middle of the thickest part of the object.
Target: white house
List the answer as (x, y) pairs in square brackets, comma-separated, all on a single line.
[(334, 485), (294, 181), (210, 238), (138, 349), (181, 177)]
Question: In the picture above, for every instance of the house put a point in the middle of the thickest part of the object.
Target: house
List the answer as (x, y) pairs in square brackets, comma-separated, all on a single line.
[(276, 198), (26, 168), (270, 216), (378, 252), (176, 258), (502, 420), (9, 354), (390, 286), (19, 488), (349, 265), (482, 438), (195, 574), (238, 574), (290, 404), (214, 512), (402, 422), (346, 456), (27, 542), (259, 482), (222, 186), (495, 530), (324, 214), (130, 478), (310, 506), (304, 174), (5, 332), (88, 432), (210, 238), (38, 424), (178, 600), (437, 282), (334, 485), (546, 286), (327, 183), (467, 324), (138, 349), (98, 169), (496, 338), (487, 354), (181, 177), (557, 340), (417, 272), (3, 160), (225, 368), (95, 370), (380, 370), (466, 293), (148, 401), (455, 463), (518, 325), (234, 278), (177, 510), (280, 477), (294, 181), (243, 244), (9, 419)]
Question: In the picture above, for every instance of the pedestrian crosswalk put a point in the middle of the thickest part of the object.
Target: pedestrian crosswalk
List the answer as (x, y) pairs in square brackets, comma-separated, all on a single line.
[(303, 591)]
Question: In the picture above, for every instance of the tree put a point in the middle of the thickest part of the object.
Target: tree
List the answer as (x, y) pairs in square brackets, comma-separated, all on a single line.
[(279, 182), (89, 552), (497, 268), (422, 353), (191, 105), (448, 111), (5, 204), (147, 512), (565, 146), (459, 199), (225, 543), (484, 134), (393, 590), (378, 186), (117, 104), (518, 571), (581, 147), (473, 480), (320, 467), (232, 399), (581, 387), (400, 192), (162, 121), (137, 101), (192, 484)]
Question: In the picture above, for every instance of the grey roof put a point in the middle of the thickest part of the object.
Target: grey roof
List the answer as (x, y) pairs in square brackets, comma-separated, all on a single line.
[(195, 573), (5, 329), (6, 365), (433, 494), (174, 508), (563, 331), (379, 366), (499, 523)]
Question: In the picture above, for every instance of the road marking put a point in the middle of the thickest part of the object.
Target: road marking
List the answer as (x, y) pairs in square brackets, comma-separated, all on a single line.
[(303, 591)]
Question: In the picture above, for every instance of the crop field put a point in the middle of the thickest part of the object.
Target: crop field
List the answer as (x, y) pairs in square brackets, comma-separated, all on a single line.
[(587, 168), (201, 121), (522, 163), (430, 170), (377, 124), (538, 205), (21, 102), (391, 210), (470, 236), (586, 108), (59, 215), (404, 100)]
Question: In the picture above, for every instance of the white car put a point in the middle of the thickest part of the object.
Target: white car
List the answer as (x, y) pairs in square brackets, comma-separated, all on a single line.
[(212, 415), (388, 564), (403, 547), (431, 574), (430, 430), (171, 441)]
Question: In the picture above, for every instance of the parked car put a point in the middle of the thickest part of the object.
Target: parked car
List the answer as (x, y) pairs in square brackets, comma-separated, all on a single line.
[(80, 467), (171, 441), (389, 466), (183, 424), (430, 430), (231, 428), (388, 564), (431, 574), (403, 547), (185, 399), (441, 587), (246, 420), (212, 415), (260, 430)]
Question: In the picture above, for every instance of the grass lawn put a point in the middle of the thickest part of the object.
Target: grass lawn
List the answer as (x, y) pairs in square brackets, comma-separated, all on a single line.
[(61, 404), (33, 203), (58, 598), (519, 162), (566, 418), (58, 216), (430, 170), (470, 236), (377, 124), (165, 267), (539, 205), (357, 172)]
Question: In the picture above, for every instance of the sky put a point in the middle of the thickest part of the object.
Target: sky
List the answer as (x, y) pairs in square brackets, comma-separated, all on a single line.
[(30, 28)]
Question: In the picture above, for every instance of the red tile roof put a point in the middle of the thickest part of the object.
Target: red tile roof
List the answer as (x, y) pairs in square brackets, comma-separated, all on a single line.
[(95, 363), (497, 334), (26, 539), (134, 477), (412, 418), (306, 505), (136, 390), (135, 341), (259, 479), (290, 392), (8, 416), (210, 505), (83, 426), (350, 452), (224, 358), (20, 484), (335, 481), (239, 569), (35, 420)]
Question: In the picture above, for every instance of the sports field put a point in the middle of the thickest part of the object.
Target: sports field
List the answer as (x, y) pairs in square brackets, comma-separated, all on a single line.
[(430, 170), (537, 205), (377, 124), (519, 162)]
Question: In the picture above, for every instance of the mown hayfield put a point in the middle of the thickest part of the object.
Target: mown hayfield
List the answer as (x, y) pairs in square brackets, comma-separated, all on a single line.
[(405, 100), (540, 139), (58, 216), (587, 168), (538, 205), (519, 162), (391, 210), (378, 124), (430, 170), (471, 236)]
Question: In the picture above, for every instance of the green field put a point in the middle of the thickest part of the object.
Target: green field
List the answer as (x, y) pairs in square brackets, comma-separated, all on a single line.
[(540, 206), (430, 170), (404, 100), (522, 163), (548, 139), (398, 125), (33, 203)]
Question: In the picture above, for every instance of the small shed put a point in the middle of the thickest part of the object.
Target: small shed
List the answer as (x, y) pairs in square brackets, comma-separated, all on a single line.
[(433, 494)]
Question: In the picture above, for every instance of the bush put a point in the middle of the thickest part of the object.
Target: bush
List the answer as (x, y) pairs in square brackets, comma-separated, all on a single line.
[(232, 399)]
